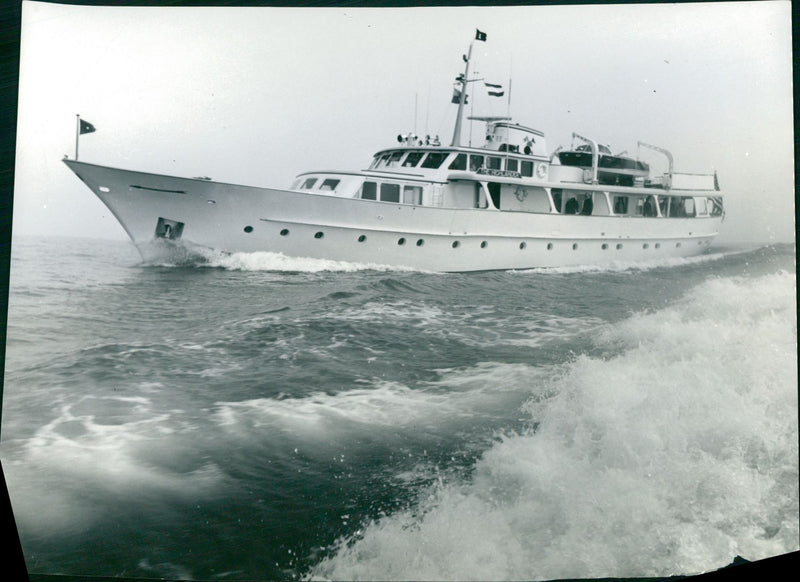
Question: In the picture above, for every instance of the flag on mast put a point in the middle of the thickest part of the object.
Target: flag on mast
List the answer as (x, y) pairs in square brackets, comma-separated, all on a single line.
[(86, 127), (480, 35), (495, 90)]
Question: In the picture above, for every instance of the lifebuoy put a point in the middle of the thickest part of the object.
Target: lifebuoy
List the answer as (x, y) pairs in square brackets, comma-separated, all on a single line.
[(541, 171)]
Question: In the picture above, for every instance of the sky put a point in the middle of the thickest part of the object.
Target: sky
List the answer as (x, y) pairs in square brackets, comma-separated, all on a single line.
[(258, 95)]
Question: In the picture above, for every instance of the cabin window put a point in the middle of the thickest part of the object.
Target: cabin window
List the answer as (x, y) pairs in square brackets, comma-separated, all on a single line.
[(475, 163), (512, 165), (369, 191), (309, 183), (620, 204), (494, 163), (390, 192), (329, 184), (527, 169), (434, 160), (688, 207), (459, 163), (412, 194), (412, 159)]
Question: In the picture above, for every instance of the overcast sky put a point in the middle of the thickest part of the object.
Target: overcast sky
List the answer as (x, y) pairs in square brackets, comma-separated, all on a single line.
[(258, 95)]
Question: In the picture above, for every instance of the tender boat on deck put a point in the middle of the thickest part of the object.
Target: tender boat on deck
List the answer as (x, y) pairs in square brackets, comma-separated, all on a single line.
[(504, 204)]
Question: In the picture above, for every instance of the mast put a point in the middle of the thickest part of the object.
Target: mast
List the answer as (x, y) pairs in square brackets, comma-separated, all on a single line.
[(462, 99)]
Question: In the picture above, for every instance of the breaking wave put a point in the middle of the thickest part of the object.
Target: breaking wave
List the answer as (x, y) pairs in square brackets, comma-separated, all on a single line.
[(670, 453)]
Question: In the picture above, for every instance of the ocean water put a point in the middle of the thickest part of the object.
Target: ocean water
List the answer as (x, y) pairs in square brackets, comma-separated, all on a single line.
[(257, 417)]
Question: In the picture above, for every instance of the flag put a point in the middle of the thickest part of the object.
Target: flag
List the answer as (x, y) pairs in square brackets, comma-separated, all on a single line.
[(457, 97), (86, 127), (498, 89), (480, 35)]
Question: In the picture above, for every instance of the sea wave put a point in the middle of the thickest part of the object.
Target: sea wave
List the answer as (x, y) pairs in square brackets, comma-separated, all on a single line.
[(672, 453)]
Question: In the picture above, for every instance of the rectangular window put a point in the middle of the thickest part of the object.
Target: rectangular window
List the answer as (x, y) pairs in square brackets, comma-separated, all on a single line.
[(394, 159), (390, 192), (512, 165), (309, 183), (475, 163), (412, 194), (494, 163), (434, 160), (369, 190), (459, 163), (329, 184), (412, 159), (527, 169), (620, 205)]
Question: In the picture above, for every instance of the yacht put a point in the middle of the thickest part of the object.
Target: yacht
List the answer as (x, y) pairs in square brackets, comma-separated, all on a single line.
[(505, 203)]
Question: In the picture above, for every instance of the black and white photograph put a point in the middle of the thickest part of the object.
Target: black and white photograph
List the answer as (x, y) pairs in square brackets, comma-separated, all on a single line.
[(352, 292)]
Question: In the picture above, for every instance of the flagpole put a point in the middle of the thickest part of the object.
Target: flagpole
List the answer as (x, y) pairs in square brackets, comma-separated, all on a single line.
[(77, 134)]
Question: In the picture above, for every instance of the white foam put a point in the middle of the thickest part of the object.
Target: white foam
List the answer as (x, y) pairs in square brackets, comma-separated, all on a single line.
[(671, 455), (633, 266), (105, 443)]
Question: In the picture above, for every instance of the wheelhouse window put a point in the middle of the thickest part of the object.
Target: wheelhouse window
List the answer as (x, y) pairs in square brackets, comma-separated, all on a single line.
[(494, 163), (379, 161), (459, 162), (512, 165), (434, 160), (308, 184), (390, 192), (394, 159), (369, 191), (412, 159), (329, 184)]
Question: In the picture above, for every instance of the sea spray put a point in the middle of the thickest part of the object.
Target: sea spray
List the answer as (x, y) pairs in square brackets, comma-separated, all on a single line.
[(670, 453)]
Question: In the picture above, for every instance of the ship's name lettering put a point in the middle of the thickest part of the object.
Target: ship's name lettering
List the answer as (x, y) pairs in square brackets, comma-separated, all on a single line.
[(503, 173)]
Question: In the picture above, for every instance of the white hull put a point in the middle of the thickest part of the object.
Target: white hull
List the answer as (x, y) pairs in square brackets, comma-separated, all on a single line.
[(234, 218)]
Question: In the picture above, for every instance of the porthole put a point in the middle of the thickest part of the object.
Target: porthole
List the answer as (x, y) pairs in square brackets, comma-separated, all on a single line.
[(401, 241), (522, 246), (484, 244), (604, 246), (211, 201), (456, 244), (362, 238), (319, 234), (658, 245), (677, 244), (549, 246), (248, 229), (699, 242), (285, 232), (619, 246), (645, 246), (420, 242), (574, 246)]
